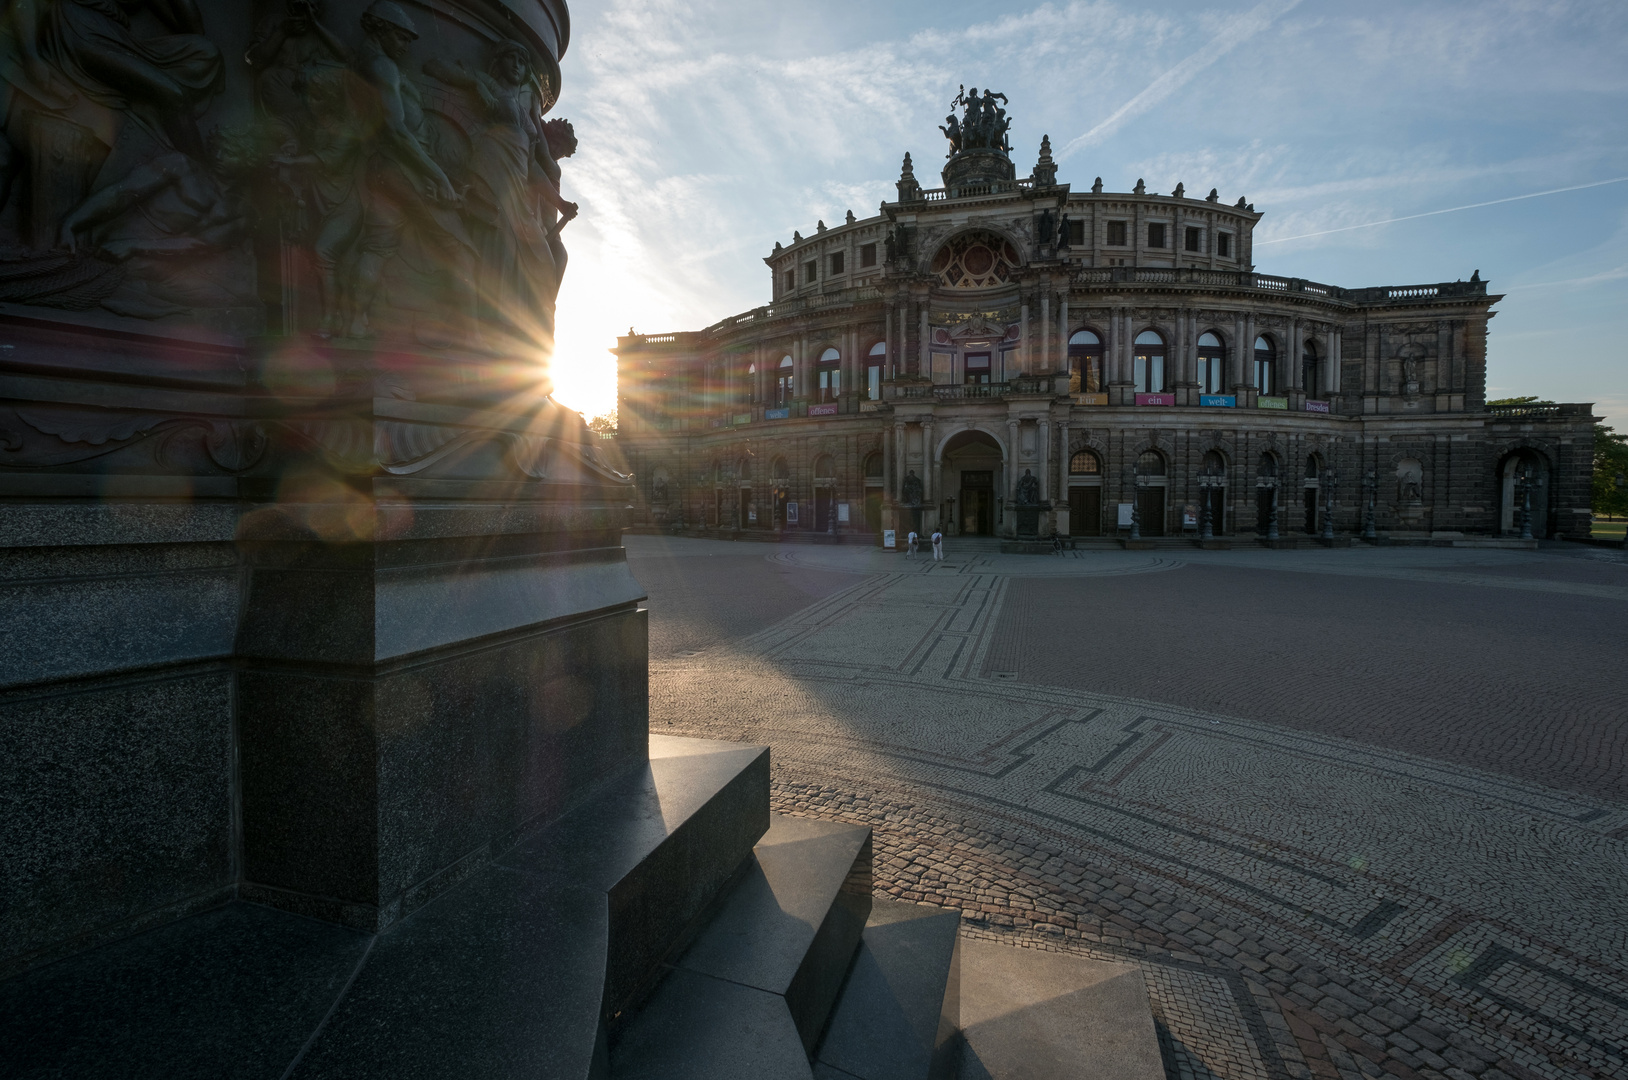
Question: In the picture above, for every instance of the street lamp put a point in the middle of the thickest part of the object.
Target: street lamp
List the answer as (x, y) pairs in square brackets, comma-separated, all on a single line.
[(1136, 503), (1208, 481), (1270, 483), (1330, 479), (1369, 487)]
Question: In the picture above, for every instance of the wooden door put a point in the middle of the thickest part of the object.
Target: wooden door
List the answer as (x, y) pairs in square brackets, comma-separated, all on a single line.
[(1085, 511)]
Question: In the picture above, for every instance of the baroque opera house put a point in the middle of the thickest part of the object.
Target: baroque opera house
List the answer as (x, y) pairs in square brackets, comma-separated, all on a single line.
[(1011, 357)]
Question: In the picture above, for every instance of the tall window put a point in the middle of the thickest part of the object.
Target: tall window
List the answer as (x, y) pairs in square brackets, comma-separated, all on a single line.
[(867, 255), (1265, 362), (830, 375), (1223, 245), (1212, 363), (977, 369), (1085, 363), (1308, 370), (751, 383), (1195, 239), (782, 383), (837, 260), (1155, 234), (791, 280), (1116, 233), (811, 272), (1147, 363), (873, 371)]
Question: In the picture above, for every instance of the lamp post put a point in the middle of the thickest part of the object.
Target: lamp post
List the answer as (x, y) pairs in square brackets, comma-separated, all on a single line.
[(1622, 482), (1208, 481), (1525, 481), (1136, 504), (1270, 483), (1369, 485), (1330, 479)]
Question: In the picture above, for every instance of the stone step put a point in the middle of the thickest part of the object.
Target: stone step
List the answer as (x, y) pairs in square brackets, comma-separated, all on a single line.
[(899, 1014), (513, 972), (750, 997), (1040, 1015)]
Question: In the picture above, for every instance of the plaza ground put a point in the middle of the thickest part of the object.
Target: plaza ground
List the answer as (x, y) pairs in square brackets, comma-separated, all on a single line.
[(1355, 812)]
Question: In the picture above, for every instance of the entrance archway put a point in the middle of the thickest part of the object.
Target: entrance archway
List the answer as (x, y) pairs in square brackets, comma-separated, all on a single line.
[(972, 467), (1511, 499)]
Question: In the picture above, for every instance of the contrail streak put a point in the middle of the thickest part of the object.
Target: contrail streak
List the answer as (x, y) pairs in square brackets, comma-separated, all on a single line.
[(1449, 210), (1242, 29)]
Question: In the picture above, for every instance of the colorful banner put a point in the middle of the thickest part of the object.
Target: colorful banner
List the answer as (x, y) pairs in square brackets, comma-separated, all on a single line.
[(1317, 406), (1090, 399), (1218, 401), (823, 410), (776, 414), (1155, 399), (1271, 403)]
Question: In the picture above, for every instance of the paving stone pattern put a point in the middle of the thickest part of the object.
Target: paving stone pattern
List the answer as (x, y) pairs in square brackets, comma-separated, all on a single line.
[(1304, 902)]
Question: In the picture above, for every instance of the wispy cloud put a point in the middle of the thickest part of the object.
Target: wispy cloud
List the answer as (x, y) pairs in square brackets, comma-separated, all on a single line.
[(1236, 32)]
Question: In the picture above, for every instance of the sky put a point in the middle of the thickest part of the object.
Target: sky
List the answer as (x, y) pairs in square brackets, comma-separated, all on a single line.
[(709, 129)]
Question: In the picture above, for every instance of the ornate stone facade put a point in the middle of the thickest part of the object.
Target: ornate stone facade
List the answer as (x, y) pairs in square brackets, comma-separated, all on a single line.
[(1121, 348)]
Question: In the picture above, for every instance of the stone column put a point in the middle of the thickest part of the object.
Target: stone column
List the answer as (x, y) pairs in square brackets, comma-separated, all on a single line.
[(929, 464), (1011, 462), (1335, 344), (1023, 337), (1241, 345), (1045, 332), (923, 365), (887, 338), (1045, 459), (1062, 332), (896, 487), (1294, 348)]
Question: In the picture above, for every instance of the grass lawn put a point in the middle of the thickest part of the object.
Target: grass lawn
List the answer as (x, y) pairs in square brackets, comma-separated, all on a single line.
[(1608, 530)]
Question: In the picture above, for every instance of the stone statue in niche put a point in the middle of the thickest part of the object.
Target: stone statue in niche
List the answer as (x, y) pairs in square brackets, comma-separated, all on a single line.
[(1043, 235), (514, 194), (1409, 482), (1410, 355), (408, 194), (1028, 489), (911, 493)]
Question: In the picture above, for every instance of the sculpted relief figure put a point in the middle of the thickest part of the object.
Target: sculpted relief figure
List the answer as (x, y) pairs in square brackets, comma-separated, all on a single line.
[(291, 51), (514, 194)]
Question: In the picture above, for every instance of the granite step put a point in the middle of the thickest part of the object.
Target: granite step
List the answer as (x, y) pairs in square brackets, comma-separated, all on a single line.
[(899, 1014), (514, 972), (750, 997)]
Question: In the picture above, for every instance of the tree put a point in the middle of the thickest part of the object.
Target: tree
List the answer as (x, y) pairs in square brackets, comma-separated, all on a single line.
[(603, 424), (1610, 472)]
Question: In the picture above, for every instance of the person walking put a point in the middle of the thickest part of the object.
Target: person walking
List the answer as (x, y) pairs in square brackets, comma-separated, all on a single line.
[(938, 545), (910, 545)]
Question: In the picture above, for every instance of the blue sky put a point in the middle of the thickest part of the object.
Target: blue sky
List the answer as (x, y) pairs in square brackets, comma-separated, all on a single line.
[(710, 129)]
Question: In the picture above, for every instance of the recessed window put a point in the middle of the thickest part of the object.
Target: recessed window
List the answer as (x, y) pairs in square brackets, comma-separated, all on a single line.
[(811, 272), (1147, 363), (1084, 363), (836, 262), (830, 375), (1155, 234), (1212, 359), (873, 370), (783, 385), (1308, 370), (1223, 245), (1116, 233), (867, 255), (1265, 362), (791, 280), (1076, 232), (977, 369), (1085, 463), (1195, 239)]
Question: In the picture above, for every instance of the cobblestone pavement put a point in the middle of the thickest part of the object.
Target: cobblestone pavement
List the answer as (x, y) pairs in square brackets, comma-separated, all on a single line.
[(1306, 899)]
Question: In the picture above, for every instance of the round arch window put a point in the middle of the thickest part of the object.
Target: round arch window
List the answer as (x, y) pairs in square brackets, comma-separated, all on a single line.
[(1212, 361), (783, 383), (975, 260), (874, 363), (1265, 365), (1147, 362), (1085, 463), (1150, 463), (828, 374), (1085, 362)]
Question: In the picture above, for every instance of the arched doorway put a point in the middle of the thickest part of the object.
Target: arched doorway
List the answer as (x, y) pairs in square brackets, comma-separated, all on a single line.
[(1534, 467), (1151, 482), (971, 467), (1085, 494)]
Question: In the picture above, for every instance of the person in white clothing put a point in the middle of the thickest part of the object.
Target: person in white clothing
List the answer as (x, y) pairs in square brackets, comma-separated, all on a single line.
[(910, 545), (938, 545)]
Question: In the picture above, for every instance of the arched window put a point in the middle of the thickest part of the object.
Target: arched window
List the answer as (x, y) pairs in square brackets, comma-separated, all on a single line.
[(778, 472), (783, 384), (1150, 463), (1085, 363), (829, 374), (1085, 463), (751, 382), (743, 469), (1212, 363), (873, 466), (1308, 369), (1265, 363), (1215, 464), (873, 371), (1269, 464), (1314, 467), (823, 468), (1147, 363)]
